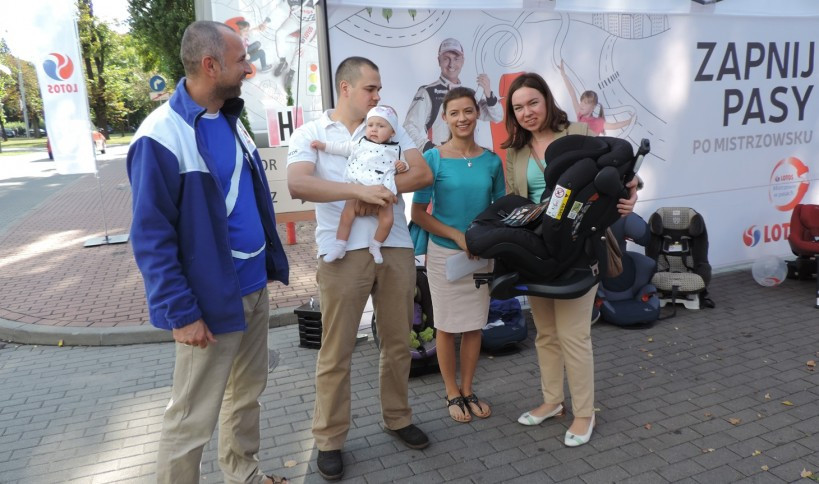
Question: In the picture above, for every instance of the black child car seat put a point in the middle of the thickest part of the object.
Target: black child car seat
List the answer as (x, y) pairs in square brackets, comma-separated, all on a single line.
[(629, 300), (552, 249)]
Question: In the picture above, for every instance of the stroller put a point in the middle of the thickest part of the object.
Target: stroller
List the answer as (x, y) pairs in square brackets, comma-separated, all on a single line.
[(553, 249)]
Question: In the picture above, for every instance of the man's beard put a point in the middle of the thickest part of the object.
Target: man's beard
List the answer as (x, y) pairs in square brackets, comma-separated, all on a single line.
[(227, 91)]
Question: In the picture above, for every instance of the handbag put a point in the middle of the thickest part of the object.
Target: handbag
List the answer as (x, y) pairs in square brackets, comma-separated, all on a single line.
[(420, 238), (614, 257)]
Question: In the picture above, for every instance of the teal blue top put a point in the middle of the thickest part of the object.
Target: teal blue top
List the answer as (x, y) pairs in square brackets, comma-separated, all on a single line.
[(535, 180), (461, 192)]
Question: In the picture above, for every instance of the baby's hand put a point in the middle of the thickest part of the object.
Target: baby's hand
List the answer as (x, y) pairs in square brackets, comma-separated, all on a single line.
[(401, 166), (318, 145)]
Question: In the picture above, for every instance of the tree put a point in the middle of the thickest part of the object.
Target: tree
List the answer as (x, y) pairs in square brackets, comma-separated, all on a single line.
[(11, 93), (5, 78), (129, 101), (117, 87), (95, 41), (10, 90), (157, 26)]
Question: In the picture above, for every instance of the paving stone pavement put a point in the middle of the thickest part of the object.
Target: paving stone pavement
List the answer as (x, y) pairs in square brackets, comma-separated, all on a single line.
[(55, 289), (710, 396)]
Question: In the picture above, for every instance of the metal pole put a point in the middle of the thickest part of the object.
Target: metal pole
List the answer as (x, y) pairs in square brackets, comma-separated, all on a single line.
[(325, 69), (102, 206), (107, 239), (202, 9)]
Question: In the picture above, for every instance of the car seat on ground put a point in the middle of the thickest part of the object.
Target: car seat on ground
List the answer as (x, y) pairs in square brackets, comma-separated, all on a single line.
[(553, 249), (679, 245), (629, 300), (804, 241)]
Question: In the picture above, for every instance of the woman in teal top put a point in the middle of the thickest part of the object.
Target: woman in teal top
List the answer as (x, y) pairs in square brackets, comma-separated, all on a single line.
[(467, 179)]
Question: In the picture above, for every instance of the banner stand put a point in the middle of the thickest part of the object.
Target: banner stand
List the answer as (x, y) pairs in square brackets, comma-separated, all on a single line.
[(106, 239)]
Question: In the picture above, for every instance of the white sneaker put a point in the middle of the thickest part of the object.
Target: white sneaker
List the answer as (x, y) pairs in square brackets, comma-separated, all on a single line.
[(529, 419), (572, 440)]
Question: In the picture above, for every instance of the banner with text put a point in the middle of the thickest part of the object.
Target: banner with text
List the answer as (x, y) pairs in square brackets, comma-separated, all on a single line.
[(729, 105), (58, 61), (281, 42), (275, 168)]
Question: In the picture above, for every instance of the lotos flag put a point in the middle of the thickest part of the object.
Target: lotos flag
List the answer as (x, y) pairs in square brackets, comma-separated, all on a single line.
[(56, 55)]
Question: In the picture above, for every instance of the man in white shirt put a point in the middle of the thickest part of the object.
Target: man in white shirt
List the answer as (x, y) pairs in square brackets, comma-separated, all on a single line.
[(345, 284), (423, 122)]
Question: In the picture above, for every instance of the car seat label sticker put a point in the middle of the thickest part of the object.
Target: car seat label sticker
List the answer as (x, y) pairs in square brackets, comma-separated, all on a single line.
[(576, 206), (560, 196)]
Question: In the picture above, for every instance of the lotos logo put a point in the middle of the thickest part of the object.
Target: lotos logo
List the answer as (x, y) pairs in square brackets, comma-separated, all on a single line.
[(751, 236), (767, 234), (789, 183), (58, 66)]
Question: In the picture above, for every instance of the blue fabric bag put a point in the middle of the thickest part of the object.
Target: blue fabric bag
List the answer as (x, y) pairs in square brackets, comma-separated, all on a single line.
[(420, 238), (503, 338)]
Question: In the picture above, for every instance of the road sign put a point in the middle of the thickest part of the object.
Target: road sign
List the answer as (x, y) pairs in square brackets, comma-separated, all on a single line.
[(157, 83), (160, 96)]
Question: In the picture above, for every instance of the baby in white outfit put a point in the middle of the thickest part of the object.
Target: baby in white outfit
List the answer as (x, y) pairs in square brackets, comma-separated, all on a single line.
[(373, 160)]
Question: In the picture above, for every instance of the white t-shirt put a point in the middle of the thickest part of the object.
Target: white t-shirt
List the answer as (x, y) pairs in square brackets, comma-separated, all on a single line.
[(332, 167)]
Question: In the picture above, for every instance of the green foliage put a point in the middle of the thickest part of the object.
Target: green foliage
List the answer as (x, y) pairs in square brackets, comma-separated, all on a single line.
[(117, 86), (96, 42), (412, 13), (157, 27), (5, 78), (246, 122), (387, 13), (10, 94)]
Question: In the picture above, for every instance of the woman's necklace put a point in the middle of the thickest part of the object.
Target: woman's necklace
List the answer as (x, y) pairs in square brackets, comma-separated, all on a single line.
[(463, 155)]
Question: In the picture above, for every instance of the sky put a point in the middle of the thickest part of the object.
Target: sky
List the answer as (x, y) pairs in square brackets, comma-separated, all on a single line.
[(19, 18)]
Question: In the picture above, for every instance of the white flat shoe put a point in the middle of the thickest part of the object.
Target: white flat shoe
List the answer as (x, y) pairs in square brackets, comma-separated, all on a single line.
[(572, 440), (529, 419)]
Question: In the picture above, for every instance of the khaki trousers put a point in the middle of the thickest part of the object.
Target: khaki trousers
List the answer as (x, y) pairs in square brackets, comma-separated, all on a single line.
[(564, 339), (221, 383), (344, 285)]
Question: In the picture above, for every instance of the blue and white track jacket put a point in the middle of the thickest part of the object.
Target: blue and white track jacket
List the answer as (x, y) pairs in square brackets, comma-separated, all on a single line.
[(179, 231)]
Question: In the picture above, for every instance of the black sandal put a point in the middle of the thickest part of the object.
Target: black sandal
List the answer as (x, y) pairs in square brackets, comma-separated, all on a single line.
[(460, 403), (473, 400)]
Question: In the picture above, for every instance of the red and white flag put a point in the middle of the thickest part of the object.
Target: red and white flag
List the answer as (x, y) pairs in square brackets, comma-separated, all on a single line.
[(56, 55)]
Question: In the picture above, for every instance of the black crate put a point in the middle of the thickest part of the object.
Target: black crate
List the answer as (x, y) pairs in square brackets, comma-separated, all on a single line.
[(309, 315)]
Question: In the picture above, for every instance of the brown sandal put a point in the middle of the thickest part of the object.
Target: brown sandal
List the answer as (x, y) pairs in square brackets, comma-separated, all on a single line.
[(277, 479), (460, 403), (474, 402)]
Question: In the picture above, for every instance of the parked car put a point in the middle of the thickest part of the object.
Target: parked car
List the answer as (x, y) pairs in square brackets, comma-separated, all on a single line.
[(10, 133)]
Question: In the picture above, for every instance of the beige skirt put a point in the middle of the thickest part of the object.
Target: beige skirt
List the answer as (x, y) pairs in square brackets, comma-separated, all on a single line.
[(457, 306)]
